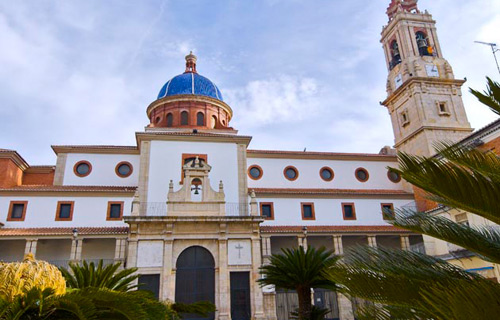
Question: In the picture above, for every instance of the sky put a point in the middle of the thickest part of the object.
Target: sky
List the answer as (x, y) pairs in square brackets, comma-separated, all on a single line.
[(297, 73)]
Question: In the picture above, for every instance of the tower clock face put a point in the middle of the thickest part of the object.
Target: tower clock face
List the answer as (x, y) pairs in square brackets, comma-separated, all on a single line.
[(432, 70), (398, 80)]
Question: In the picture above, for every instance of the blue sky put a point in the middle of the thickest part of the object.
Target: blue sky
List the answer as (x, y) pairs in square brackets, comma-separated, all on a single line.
[(296, 73)]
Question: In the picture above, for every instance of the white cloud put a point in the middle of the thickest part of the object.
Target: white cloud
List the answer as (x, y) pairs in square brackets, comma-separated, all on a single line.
[(282, 99)]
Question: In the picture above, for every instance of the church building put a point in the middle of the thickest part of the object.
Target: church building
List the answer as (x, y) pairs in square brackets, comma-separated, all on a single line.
[(198, 212)]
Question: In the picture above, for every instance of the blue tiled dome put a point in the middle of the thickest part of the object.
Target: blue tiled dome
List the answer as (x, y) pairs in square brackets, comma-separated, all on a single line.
[(190, 83)]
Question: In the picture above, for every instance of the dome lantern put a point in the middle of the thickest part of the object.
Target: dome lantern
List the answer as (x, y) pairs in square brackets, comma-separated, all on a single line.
[(190, 100), (191, 63)]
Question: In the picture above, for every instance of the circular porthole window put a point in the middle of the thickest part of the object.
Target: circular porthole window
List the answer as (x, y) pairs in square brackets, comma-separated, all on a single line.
[(82, 168), (361, 174), (393, 176), (291, 173), (326, 173), (123, 169), (255, 172)]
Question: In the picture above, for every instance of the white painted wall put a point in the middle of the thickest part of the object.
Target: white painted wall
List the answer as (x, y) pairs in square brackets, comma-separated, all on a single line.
[(287, 211), (12, 250), (166, 165), (309, 174), (103, 170), (41, 212), (93, 248)]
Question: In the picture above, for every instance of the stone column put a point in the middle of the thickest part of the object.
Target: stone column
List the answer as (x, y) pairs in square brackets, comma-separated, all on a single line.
[(168, 291), (300, 242), (266, 249), (338, 248), (405, 242), (345, 307), (224, 294), (76, 250), (258, 298), (372, 241), (120, 250), (31, 246)]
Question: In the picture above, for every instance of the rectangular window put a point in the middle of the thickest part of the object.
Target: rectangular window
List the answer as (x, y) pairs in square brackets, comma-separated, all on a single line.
[(115, 210), (442, 108), (267, 210), (348, 211), (17, 210), (307, 211), (405, 119), (150, 282), (64, 211), (387, 211)]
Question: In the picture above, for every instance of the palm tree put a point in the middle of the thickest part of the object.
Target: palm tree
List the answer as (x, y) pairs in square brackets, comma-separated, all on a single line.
[(414, 286), (98, 276), (84, 304), (299, 270)]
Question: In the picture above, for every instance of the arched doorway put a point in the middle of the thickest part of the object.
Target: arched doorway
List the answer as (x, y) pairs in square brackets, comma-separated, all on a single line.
[(195, 278)]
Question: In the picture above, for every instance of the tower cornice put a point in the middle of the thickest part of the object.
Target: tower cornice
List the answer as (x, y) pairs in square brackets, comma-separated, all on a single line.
[(414, 80)]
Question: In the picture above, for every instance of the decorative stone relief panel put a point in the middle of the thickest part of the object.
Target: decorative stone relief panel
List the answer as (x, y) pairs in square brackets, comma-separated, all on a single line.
[(239, 252), (150, 253)]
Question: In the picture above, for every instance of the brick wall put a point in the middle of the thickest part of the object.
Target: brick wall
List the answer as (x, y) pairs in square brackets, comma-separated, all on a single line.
[(10, 174)]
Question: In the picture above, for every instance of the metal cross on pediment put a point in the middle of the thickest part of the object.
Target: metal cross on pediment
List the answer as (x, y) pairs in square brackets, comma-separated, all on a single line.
[(239, 247)]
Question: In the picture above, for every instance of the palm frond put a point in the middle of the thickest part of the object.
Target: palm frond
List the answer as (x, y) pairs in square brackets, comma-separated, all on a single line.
[(86, 275), (490, 97), (298, 266), (452, 184), (483, 240)]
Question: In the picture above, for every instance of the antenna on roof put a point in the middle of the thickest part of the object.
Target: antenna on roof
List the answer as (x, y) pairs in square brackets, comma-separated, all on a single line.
[(494, 50)]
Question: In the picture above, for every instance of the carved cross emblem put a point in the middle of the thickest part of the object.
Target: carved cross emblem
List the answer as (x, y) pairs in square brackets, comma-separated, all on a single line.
[(239, 247)]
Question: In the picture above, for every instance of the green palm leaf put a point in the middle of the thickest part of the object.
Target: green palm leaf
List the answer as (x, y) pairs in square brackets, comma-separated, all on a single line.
[(484, 241), (490, 97)]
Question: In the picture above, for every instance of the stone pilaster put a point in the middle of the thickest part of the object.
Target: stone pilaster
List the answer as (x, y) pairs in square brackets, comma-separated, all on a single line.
[(76, 249), (405, 242), (372, 241), (338, 247), (132, 253), (144, 173), (168, 272), (258, 298), (60, 167), (224, 296), (242, 178), (345, 307), (270, 305), (31, 246)]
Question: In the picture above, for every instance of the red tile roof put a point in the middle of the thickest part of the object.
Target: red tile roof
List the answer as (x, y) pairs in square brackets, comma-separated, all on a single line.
[(50, 188), (62, 231), (331, 229), (329, 191)]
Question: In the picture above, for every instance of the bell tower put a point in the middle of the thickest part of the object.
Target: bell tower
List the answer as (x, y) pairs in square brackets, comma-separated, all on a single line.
[(423, 97)]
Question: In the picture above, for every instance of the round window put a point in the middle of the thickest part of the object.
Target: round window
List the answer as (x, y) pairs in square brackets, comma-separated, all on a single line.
[(82, 168), (326, 174), (255, 172), (123, 169), (291, 173), (362, 174), (393, 176)]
